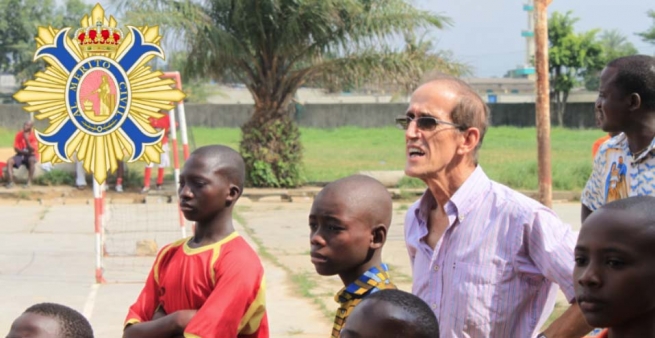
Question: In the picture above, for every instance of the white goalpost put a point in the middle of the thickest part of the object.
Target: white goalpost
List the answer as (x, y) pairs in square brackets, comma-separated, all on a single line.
[(128, 234)]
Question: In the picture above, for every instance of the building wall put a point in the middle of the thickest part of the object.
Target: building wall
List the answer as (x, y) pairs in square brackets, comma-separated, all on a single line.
[(368, 115)]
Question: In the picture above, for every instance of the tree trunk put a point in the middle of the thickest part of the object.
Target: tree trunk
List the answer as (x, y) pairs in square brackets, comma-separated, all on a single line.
[(270, 146), (560, 116), (562, 108)]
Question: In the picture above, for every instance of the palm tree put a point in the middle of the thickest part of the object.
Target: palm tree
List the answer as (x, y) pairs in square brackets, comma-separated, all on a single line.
[(276, 46), (649, 35)]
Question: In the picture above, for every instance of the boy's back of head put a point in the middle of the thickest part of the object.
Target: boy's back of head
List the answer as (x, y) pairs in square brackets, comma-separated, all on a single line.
[(636, 74), (615, 266), (49, 320), (391, 313)]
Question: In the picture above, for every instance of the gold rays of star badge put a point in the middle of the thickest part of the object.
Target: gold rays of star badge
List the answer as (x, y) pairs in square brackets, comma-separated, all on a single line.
[(97, 93)]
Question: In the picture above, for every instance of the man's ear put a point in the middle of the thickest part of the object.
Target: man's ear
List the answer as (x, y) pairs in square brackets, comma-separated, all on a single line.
[(379, 232), (635, 102), (233, 195), (471, 139)]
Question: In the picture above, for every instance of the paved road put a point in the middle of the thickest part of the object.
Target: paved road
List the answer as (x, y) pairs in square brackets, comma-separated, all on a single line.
[(47, 254)]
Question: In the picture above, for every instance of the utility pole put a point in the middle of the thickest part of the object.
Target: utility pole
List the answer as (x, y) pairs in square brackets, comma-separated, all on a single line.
[(543, 102)]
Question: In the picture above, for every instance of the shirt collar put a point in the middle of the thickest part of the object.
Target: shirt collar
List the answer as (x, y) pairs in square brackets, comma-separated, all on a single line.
[(621, 141), (474, 188), (376, 277)]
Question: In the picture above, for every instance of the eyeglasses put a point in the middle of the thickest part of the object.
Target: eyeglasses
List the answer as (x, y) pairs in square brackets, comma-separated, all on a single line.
[(425, 123)]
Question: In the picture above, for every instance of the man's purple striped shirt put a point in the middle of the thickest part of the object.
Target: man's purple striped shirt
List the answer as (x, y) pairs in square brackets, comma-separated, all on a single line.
[(494, 272)]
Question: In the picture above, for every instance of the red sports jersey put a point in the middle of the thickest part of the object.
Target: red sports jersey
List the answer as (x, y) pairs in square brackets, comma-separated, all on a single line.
[(223, 281), (19, 142), (162, 123)]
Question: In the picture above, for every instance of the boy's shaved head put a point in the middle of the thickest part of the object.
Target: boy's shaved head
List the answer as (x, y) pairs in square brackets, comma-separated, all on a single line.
[(366, 194), (225, 161), (49, 320), (348, 225), (391, 313)]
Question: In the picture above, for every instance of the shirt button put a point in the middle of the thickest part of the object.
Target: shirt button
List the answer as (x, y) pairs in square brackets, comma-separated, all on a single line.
[(434, 306), (461, 218), (436, 268)]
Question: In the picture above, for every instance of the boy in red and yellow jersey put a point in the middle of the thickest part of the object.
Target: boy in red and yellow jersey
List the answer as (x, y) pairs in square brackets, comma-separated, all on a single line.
[(210, 285)]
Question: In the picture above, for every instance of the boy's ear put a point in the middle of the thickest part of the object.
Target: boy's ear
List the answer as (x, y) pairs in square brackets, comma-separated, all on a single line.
[(379, 232), (233, 195), (635, 101)]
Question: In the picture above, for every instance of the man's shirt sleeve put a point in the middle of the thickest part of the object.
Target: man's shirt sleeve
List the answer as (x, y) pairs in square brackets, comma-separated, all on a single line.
[(593, 195), (550, 244)]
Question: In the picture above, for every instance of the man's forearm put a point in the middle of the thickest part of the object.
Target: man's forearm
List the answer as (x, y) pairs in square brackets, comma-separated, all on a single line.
[(163, 327), (571, 324)]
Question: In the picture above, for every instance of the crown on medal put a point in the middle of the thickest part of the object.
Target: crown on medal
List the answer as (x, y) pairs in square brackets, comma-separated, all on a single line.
[(99, 38)]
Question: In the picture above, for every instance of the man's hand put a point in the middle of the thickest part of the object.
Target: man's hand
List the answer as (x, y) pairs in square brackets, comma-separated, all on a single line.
[(29, 150)]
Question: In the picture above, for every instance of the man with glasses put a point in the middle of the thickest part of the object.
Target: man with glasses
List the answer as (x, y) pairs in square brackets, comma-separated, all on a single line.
[(485, 258)]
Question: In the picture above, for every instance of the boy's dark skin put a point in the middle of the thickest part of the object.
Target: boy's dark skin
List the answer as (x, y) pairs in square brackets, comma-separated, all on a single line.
[(34, 325), (621, 111), (615, 268), (210, 184), (375, 319), (348, 225)]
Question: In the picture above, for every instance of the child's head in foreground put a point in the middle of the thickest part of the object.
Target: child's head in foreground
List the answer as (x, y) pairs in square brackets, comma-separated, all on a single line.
[(48, 320), (211, 181), (391, 314), (348, 225), (614, 272)]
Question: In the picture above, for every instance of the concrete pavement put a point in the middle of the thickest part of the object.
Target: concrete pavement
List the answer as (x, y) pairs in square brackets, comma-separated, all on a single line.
[(48, 254)]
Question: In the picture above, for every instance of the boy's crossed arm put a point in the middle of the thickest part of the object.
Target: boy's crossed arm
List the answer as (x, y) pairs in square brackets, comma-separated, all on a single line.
[(161, 325), (140, 324), (236, 307)]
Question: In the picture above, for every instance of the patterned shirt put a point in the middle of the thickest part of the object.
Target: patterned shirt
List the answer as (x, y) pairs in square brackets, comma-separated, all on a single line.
[(373, 280), (493, 272), (224, 281), (617, 174)]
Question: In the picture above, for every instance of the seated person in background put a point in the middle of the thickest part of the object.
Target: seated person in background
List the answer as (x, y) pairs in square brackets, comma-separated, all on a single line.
[(391, 314), (615, 268), (26, 148), (348, 226), (49, 320)]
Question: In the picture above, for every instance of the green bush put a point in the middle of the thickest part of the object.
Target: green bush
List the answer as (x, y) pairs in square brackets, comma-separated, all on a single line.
[(272, 153), (55, 177)]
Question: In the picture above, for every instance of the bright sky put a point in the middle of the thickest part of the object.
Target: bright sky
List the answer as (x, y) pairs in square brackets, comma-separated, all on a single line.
[(487, 33)]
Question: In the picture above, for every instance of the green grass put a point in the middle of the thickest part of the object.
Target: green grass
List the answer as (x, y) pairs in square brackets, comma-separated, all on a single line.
[(7, 138), (508, 155)]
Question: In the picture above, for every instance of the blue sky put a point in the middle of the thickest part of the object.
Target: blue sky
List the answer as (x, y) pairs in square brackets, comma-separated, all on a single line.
[(487, 33)]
